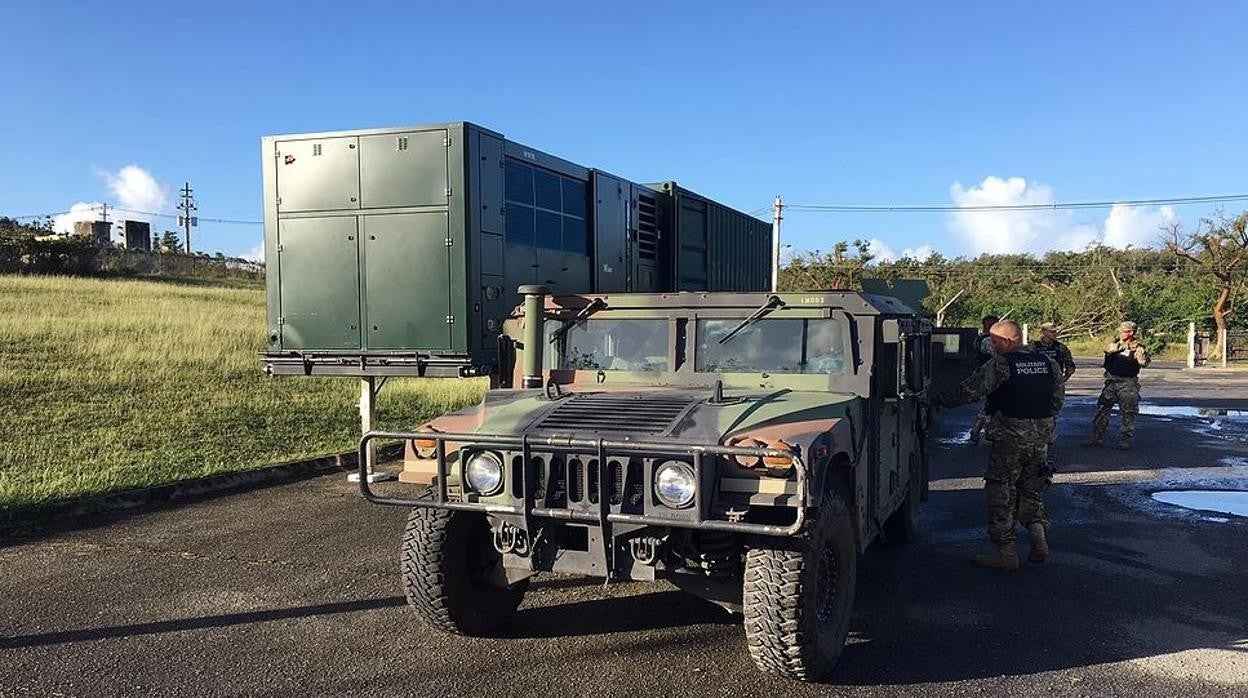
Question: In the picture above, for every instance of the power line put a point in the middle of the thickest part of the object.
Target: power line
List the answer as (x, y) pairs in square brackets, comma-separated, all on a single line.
[(154, 214), (1055, 206)]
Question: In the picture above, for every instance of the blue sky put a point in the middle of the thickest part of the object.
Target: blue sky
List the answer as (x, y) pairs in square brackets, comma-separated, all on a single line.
[(820, 102)]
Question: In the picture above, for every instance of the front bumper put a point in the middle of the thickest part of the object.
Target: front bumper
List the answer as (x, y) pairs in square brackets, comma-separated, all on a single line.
[(599, 509)]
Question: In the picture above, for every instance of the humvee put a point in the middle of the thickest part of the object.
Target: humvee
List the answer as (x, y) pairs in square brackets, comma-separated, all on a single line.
[(747, 447)]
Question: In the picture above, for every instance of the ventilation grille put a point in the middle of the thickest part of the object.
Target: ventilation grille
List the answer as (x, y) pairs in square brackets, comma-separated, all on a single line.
[(402, 143), (602, 412), (647, 227), (316, 148)]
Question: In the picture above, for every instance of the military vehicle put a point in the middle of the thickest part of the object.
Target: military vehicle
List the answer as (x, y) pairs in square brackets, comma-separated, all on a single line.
[(748, 447)]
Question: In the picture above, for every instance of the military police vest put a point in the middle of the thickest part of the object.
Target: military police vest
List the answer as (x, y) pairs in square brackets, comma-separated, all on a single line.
[(1028, 392)]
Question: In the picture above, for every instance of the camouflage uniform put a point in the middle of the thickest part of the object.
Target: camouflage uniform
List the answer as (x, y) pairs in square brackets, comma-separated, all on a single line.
[(1017, 474), (1121, 390)]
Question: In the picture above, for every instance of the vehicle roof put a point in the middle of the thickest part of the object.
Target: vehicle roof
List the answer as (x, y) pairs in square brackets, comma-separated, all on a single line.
[(851, 301)]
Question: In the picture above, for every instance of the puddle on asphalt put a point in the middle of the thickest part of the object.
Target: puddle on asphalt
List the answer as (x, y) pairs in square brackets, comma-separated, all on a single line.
[(1189, 411), (1232, 502)]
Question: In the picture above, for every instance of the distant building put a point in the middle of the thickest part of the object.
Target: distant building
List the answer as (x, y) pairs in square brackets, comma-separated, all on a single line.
[(138, 235), (98, 231)]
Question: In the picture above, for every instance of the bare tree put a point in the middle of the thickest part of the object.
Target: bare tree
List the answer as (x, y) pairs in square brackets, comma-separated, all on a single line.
[(1220, 247)]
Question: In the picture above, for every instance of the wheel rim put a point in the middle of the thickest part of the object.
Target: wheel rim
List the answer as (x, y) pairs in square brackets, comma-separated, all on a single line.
[(827, 577)]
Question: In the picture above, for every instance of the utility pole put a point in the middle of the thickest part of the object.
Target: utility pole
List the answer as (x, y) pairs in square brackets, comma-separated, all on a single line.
[(186, 220), (777, 215)]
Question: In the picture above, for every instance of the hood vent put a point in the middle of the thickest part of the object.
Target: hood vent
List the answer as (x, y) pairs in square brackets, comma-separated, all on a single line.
[(644, 413)]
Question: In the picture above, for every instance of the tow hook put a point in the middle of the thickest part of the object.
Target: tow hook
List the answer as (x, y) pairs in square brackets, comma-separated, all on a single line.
[(645, 550), (511, 539)]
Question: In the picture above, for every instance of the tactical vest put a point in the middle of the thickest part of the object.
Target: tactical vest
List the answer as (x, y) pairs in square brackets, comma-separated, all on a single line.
[(1050, 350), (1028, 393), (1121, 365)]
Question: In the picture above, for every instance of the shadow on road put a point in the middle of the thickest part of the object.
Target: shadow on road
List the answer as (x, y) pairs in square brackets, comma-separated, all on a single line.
[(205, 622), (623, 614)]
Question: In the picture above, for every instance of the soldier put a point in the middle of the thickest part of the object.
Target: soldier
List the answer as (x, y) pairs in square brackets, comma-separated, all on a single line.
[(1049, 345), (984, 352), (1023, 386), (1123, 360)]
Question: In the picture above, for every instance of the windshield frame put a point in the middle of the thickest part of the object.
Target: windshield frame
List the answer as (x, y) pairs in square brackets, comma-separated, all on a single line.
[(683, 349)]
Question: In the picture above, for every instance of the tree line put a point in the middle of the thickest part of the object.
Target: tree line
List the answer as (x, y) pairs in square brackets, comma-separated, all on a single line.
[(34, 248), (1192, 275)]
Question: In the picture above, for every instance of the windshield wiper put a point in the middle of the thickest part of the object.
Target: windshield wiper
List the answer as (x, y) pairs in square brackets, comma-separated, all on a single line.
[(594, 306), (772, 303)]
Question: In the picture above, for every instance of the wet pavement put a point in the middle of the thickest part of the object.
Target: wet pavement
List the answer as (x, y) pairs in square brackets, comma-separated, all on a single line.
[(293, 590)]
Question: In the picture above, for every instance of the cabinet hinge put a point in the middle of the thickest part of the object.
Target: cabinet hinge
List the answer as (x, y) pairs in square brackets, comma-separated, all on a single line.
[(281, 321), (446, 141), (450, 242), (448, 191), (450, 319)]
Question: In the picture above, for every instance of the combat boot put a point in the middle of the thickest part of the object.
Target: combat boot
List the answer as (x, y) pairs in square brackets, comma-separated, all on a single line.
[(1039, 543), (1005, 558)]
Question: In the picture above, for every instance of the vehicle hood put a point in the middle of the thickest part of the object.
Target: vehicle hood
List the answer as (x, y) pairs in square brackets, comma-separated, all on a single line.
[(667, 414)]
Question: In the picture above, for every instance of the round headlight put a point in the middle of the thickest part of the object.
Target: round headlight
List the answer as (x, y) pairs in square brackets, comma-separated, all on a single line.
[(484, 472), (675, 484)]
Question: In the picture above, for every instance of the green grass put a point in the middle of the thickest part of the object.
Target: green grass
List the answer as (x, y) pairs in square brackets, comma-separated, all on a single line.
[(113, 384)]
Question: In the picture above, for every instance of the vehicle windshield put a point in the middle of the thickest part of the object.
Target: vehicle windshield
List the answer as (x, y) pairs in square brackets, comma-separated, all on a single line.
[(610, 345), (772, 345)]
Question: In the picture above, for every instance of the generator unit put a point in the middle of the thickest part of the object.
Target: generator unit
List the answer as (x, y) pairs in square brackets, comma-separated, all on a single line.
[(399, 251)]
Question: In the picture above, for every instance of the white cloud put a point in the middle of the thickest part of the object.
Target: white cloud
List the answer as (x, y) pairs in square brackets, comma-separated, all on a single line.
[(882, 252), (135, 188), (1136, 227), (255, 254), (1042, 230), (132, 187)]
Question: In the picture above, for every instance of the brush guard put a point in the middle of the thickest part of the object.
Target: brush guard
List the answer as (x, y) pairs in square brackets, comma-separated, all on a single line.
[(698, 456)]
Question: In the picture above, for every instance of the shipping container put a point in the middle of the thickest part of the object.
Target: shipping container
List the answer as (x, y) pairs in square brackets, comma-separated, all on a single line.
[(399, 251)]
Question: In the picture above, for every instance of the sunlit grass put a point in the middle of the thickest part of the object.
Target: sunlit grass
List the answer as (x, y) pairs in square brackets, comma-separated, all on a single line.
[(110, 384)]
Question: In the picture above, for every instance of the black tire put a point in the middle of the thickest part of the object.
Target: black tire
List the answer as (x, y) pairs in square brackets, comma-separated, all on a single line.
[(448, 560), (798, 601), (903, 526)]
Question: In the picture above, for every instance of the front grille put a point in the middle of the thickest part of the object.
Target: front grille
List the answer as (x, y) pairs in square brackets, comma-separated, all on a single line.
[(574, 481), (605, 412)]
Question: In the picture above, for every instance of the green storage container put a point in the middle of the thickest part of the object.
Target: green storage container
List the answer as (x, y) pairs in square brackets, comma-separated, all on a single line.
[(399, 251)]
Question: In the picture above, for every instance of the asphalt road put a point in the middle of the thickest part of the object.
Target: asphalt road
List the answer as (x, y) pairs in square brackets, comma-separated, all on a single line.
[(293, 590)]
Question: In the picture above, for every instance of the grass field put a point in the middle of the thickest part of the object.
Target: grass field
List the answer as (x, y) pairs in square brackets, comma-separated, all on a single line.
[(110, 384)]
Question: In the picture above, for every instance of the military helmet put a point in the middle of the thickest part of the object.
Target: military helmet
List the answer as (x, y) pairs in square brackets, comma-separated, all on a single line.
[(1128, 326)]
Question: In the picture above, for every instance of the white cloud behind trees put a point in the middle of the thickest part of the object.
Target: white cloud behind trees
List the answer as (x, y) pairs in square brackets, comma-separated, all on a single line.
[(1037, 231), (131, 187)]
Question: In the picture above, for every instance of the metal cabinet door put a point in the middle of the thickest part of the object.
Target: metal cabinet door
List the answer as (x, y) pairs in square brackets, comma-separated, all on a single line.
[(407, 281), (318, 271), (610, 253), (490, 192), (403, 169), (318, 175)]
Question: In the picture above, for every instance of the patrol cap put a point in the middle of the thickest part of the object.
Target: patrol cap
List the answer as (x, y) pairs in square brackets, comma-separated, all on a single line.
[(1128, 326), (1049, 326)]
